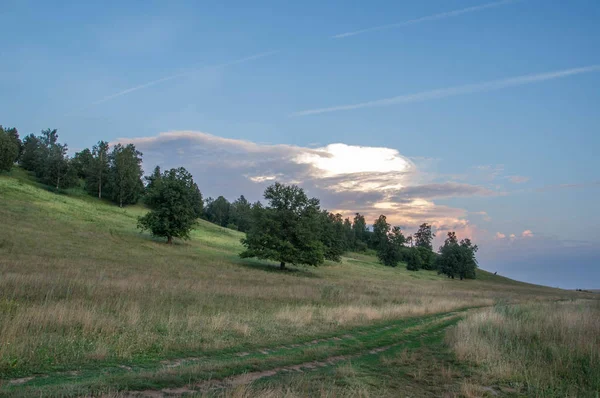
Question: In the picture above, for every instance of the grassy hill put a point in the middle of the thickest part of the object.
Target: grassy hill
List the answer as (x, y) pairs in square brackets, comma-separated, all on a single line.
[(88, 304)]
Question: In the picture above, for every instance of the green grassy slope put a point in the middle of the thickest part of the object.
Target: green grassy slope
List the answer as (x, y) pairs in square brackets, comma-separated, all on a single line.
[(82, 288)]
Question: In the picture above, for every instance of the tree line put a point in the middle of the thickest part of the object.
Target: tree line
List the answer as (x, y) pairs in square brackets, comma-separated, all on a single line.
[(290, 228)]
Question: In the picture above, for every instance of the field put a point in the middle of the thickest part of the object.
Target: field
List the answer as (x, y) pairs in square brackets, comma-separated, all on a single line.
[(90, 306)]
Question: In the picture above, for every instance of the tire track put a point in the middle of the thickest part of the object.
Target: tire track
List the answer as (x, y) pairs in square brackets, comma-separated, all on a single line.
[(243, 359)]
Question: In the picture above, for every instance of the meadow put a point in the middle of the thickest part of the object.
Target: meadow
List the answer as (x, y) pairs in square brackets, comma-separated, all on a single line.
[(89, 305)]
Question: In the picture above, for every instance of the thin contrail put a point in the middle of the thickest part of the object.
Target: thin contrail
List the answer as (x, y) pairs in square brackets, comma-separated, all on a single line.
[(458, 90), (189, 72), (435, 17)]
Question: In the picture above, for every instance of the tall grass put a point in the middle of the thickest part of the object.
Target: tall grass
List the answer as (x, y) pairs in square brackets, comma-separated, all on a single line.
[(541, 349), (79, 284)]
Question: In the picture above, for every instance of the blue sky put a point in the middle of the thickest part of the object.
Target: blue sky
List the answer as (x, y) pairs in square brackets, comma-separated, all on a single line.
[(468, 146)]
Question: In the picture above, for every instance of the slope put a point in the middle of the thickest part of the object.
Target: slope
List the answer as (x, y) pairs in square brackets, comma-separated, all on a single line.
[(81, 288)]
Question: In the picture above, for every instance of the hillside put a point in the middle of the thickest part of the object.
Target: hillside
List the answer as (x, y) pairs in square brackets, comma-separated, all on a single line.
[(82, 290)]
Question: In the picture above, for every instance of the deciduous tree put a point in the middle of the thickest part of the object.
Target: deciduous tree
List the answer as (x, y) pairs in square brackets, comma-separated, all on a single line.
[(285, 230), (125, 174), (172, 198)]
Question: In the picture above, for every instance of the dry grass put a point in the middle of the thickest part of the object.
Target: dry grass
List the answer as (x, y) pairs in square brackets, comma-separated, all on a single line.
[(79, 284), (545, 349)]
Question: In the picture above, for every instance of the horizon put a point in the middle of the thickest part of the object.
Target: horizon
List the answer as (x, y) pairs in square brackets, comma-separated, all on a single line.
[(476, 117)]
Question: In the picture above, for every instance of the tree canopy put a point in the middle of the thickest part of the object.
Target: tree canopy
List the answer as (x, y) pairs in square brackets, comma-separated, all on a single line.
[(457, 259), (173, 199), (424, 236), (10, 148), (125, 174), (287, 229)]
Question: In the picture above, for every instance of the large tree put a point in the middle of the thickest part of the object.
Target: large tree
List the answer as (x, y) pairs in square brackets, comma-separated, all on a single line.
[(125, 174), (424, 236), (10, 148), (173, 200), (457, 259), (287, 229)]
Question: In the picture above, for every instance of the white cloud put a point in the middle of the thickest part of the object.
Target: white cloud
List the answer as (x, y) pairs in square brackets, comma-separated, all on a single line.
[(512, 237), (455, 91), (346, 178), (500, 235), (527, 234)]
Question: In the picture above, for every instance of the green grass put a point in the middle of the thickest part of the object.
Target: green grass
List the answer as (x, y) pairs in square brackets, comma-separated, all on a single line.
[(81, 289)]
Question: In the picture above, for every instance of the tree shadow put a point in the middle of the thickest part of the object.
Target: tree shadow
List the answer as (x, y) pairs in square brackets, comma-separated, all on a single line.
[(274, 268)]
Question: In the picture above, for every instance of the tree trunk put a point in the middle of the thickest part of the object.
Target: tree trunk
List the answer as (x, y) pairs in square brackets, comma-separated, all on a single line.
[(169, 240), (282, 265), (100, 179)]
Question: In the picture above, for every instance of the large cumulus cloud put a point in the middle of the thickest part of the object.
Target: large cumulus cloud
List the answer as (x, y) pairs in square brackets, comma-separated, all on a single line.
[(346, 178)]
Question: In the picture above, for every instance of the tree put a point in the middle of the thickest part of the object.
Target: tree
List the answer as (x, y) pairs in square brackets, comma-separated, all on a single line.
[(457, 259), (10, 148), (424, 237), (381, 229), (390, 249), (125, 174), (81, 163), (58, 170), (349, 239), (361, 233), (29, 157), (217, 211), (13, 133), (172, 199), (332, 235), (98, 169), (413, 259), (240, 214), (284, 230), (428, 258)]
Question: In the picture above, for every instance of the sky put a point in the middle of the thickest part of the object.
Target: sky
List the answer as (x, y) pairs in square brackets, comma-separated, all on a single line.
[(477, 117)]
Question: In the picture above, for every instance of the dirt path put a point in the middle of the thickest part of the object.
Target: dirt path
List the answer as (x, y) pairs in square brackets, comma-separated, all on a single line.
[(242, 367)]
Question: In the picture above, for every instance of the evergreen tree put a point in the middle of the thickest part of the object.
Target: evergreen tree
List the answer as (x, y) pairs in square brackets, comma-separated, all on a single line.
[(284, 231), (173, 199), (125, 174)]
